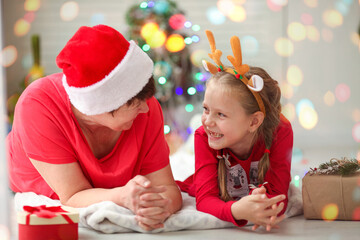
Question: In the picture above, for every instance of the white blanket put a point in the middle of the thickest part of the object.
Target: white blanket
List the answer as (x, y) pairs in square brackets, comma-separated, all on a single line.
[(107, 217)]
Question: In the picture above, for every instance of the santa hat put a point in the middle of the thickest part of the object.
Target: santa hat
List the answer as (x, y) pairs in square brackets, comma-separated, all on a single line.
[(102, 70)]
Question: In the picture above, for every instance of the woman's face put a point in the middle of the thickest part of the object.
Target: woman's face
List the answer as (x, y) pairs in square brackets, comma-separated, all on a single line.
[(122, 118), (225, 120)]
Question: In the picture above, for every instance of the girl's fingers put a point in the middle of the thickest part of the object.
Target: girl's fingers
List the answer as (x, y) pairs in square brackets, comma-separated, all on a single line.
[(163, 203)]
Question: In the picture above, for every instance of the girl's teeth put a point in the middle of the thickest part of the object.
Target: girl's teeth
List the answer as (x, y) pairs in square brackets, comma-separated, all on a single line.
[(215, 134)]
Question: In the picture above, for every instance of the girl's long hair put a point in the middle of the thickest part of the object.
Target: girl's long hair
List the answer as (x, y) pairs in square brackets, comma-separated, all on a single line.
[(270, 95)]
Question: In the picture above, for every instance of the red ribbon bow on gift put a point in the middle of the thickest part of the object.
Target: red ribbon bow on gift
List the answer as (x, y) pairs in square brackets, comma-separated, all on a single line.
[(45, 212)]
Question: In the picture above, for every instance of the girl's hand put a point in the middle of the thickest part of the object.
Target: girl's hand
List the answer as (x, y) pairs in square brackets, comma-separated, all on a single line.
[(258, 208), (153, 212), (273, 219)]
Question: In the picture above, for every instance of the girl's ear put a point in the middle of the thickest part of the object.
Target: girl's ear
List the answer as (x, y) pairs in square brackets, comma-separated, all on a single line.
[(257, 119)]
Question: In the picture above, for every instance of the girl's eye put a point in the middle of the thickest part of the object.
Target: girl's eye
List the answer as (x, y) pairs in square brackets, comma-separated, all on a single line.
[(205, 109), (221, 115)]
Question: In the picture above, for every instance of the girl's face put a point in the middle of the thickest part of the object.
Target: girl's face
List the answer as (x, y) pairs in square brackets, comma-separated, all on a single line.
[(122, 118), (225, 121)]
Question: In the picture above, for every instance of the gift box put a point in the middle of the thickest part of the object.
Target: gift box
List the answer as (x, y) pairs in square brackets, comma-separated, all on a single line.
[(44, 223), (329, 194)]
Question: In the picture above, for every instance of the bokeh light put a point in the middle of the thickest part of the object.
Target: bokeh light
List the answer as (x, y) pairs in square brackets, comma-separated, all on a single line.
[(297, 155), (306, 18), (197, 56), (214, 16), (329, 98), (250, 46), (308, 118), (273, 6), (29, 17), (177, 21), (342, 7), (157, 39), (162, 68), (330, 212), (167, 129), (237, 14), (332, 18), (294, 75), (296, 180), (97, 18), (287, 90), (284, 47), (311, 3), (355, 38), (195, 28), (149, 29), (175, 43), (289, 111), (312, 33), (356, 213), (162, 80), (69, 11), (179, 91), (356, 132), (225, 6), (342, 92), (191, 90), (327, 35), (356, 115), (189, 108), (302, 104), (296, 31), (8, 56), (31, 5), (21, 27), (161, 7)]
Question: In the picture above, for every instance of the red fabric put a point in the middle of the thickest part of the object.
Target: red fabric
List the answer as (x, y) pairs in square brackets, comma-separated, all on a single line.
[(91, 54), (206, 182), (45, 129)]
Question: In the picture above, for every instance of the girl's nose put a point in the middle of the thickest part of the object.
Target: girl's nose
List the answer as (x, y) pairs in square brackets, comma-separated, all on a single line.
[(208, 120)]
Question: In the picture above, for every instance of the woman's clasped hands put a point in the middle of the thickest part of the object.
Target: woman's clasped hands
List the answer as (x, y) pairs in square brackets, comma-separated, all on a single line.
[(150, 207)]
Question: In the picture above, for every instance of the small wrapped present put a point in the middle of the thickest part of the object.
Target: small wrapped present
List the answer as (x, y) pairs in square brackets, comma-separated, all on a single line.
[(332, 191), (43, 223)]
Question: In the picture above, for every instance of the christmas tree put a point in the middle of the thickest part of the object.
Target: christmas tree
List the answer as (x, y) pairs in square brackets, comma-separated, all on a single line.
[(161, 29)]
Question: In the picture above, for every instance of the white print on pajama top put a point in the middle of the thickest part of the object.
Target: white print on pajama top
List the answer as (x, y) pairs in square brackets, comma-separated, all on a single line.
[(236, 180)]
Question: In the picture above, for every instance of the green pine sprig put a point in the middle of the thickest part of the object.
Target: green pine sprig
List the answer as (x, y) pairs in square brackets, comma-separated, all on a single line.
[(341, 167)]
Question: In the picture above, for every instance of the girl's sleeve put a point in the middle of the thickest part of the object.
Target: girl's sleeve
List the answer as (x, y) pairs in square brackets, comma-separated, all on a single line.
[(278, 175), (207, 190)]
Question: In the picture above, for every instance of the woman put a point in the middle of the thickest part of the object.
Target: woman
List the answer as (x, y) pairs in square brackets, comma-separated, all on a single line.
[(95, 132)]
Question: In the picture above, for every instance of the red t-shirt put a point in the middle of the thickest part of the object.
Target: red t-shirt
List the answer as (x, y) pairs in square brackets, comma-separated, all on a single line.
[(240, 173), (45, 129)]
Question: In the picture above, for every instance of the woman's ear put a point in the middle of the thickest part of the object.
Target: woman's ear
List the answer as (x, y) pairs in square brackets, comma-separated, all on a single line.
[(257, 119)]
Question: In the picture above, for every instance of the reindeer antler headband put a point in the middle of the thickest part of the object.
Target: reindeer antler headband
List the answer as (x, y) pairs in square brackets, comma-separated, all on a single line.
[(255, 84)]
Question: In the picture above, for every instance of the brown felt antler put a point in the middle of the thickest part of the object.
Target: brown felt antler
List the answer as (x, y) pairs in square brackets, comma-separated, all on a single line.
[(237, 61), (215, 55)]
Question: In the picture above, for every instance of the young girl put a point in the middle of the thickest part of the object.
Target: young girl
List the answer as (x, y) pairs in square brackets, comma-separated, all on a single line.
[(243, 148)]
